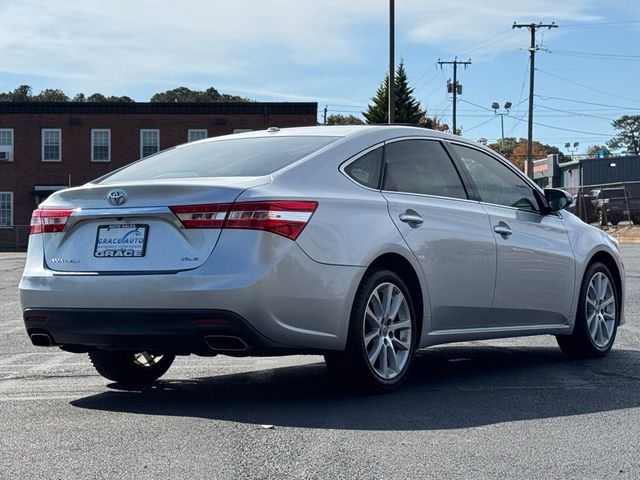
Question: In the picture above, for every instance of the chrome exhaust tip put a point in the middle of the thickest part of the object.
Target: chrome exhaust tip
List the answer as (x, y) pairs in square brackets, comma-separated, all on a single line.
[(226, 343), (41, 340)]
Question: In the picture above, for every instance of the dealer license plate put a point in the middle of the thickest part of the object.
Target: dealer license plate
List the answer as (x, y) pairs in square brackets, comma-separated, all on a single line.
[(121, 241)]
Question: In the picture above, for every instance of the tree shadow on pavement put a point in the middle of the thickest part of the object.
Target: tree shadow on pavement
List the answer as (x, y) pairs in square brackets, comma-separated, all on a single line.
[(449, 388)]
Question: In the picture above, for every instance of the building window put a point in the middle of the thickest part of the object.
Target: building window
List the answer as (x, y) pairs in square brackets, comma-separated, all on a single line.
[(196, 134), (100, 145), (149, 142), (242, 130), (6, 144), (6, 209), (51, 145)]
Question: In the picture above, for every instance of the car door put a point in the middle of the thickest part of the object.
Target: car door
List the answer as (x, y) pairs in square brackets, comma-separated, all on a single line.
[(536, 267), (449, 234)]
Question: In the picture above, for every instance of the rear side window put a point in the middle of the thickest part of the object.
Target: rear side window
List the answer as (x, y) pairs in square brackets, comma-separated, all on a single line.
[(421, 166), (246, 157), (366, 169)]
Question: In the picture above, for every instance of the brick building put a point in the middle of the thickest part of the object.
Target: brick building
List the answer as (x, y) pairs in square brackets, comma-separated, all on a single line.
[(48, 146)]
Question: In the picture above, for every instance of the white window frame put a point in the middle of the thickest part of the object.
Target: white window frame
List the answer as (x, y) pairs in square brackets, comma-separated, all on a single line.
[(13, 142), (194, 130), (142, 132), (242, 130), (93, 145), (59, 130), (12, 209)]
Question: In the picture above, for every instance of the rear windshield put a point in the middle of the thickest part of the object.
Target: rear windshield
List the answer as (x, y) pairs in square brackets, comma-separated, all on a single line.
[(242, 157)]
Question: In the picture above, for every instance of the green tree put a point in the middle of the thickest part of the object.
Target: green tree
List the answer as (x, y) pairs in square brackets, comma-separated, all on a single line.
[(20, 94), (79, 98), (184, 94), (407, 107), (377, 112), (628, 140), (516, 150), (50, 95), (338, 119), (96, 97), (123, 99), (593, 151)]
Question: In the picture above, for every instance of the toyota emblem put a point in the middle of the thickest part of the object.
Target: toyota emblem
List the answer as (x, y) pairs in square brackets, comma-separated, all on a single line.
[(117, 197)]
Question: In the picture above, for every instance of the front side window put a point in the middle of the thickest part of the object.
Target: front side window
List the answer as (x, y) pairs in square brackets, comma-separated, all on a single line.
[(423, 167), (51, 144), (100, 145), (366, 169), (6, 209), (196, 134), (6, 144), (149, 142), (495, 182)]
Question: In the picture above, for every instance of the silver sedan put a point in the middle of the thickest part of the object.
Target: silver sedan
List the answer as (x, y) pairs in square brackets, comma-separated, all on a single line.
[(363, 244)]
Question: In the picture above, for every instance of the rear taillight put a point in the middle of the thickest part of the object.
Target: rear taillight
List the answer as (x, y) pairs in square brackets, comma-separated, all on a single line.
[(202, 216), (45, 220), (286, 218)]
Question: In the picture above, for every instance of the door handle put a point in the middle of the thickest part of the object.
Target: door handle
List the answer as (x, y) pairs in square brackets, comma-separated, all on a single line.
[(503, 229), (412, 218)]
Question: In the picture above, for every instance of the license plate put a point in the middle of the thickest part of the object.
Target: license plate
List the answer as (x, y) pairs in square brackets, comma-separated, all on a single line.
[(121, 241)]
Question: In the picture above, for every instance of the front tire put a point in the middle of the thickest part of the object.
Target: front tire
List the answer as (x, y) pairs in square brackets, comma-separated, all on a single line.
[(130, 368), (382, 335), (597, 316)]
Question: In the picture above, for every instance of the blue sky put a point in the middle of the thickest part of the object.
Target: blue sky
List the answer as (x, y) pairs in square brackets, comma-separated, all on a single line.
[(335, 52)]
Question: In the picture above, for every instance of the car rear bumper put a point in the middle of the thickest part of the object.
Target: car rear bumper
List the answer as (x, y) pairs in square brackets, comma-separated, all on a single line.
[(203, 332)]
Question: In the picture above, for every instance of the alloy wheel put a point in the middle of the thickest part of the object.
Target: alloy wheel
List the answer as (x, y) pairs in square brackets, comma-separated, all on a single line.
[(387, 331), (600, 309)]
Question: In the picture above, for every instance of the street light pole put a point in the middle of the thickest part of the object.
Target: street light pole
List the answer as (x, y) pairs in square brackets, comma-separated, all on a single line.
[(496, 106)]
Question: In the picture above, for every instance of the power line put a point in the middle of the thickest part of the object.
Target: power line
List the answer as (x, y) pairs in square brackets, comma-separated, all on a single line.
[(571, 130), (587, 103), (480, 124), (601, 24), (588, 87), (574, 113), (596, 56)]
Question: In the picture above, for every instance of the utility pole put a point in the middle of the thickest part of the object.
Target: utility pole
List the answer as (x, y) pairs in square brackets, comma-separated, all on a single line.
[(392, 63), (324, 122), (455, 62), (533, 27)]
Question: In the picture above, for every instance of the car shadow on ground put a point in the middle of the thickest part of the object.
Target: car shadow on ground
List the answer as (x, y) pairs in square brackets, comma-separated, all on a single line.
[(449, 388)]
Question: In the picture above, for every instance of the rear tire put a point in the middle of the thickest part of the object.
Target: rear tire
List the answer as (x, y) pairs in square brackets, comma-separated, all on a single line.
[(597, 316), (382, 335), (130, 368)]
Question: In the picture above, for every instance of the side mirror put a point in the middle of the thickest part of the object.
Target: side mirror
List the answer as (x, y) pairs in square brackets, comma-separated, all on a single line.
[(557, 199)]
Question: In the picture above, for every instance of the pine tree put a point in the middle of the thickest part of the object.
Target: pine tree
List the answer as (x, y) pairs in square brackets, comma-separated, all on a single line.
[(378, 112), (407, 108)]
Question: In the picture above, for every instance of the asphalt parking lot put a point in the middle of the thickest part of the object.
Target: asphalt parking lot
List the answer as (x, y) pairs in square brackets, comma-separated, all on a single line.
[(501, 409)]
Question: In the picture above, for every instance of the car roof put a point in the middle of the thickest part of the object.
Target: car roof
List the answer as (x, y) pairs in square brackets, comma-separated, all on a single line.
[(346, 131)]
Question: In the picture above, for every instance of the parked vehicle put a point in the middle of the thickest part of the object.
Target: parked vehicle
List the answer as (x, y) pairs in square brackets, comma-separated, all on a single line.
[(360, 243)]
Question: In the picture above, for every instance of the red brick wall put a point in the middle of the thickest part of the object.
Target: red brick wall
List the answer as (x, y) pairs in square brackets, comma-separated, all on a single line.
[(27, 168)]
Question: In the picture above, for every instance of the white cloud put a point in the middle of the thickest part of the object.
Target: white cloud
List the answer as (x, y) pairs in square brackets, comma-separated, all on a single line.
[(111, 45)]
